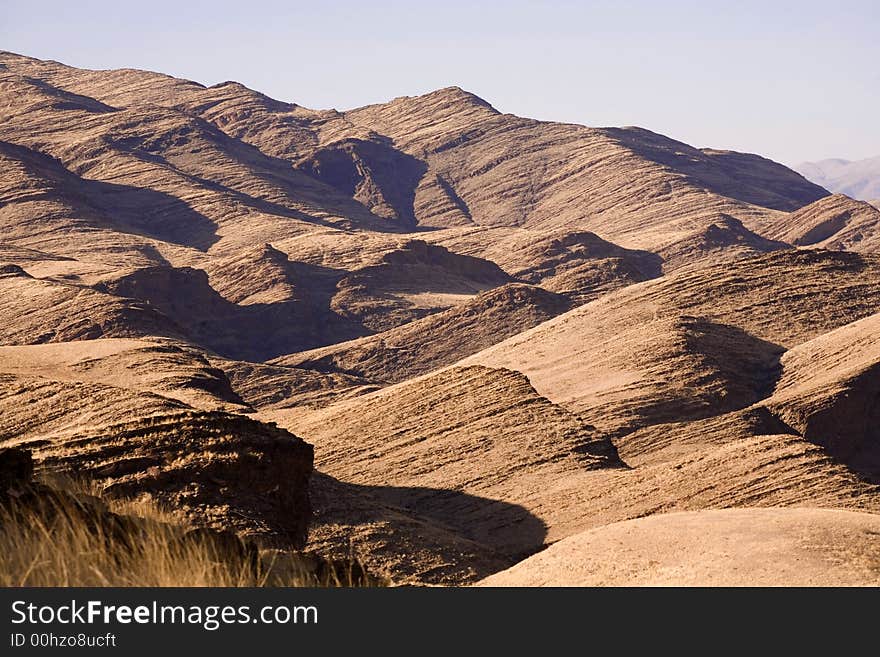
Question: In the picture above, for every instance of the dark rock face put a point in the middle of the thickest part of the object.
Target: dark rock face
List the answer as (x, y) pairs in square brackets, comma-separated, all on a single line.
[(374, 173), (222, 470), (16, 468), (24, 499)]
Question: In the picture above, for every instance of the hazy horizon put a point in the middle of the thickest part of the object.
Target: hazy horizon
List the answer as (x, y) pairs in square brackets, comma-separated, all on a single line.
[(793, 81)]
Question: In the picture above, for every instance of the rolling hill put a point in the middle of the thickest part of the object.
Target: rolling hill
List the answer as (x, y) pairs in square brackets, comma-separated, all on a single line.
[(434, 337)]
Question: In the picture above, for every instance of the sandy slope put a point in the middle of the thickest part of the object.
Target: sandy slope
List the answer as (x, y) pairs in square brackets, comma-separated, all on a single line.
[(436, 340), (709, 416), (734, 547), (835, 222), (692, 343), (156, 367)]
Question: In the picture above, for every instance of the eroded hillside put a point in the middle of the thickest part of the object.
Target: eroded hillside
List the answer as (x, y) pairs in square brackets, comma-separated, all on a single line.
[(488, 333)]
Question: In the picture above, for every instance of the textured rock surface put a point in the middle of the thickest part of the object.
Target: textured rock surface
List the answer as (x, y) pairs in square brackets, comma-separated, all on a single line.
[(437, 340), (614, 360), (455, 449), (835, 222), (829, 392), (220, 469), (497, 332)]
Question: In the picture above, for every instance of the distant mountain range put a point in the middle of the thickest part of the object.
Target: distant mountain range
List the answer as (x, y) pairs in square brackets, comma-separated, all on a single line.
[(859, 179), (434, 338)]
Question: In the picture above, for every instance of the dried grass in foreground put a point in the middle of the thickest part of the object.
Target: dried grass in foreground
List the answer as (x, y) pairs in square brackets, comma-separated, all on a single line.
[(66, 537)]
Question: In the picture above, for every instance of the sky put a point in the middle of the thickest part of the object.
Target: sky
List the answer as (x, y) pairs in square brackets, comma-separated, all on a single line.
[(793, 81)]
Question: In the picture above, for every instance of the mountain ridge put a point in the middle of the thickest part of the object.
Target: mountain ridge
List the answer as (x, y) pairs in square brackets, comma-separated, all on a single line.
[(467, 334)]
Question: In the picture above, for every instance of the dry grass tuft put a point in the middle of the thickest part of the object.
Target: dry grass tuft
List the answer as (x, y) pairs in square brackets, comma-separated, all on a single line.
[(70, 538)]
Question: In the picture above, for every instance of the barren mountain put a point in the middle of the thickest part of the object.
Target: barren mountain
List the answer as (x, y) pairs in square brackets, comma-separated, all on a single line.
[(716, 332), (495, 333), (679, 374), (40, 310), (435, 447)]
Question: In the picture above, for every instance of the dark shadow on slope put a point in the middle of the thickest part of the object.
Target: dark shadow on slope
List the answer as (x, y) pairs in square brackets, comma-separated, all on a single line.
[(252, 332), (330, 306), (235, 195), (473, 536), (845, 423), (377, 175), (124, 208), (734, 370), (145, 211), (68, 100), (295, 186)]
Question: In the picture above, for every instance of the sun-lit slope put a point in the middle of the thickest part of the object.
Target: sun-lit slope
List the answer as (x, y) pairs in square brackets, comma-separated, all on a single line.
[(48, 210), (298, 306), (454, 449), (446, 158), (733, 547), (38, 311), (361, 172), (634, 187), (622, 373), (265, 386), (277, 128), (436, 340), (458, 451), (155, 163), (162, 368), (257, 275), (836, 222), (580, 265), (412, 281), (697, 339), (201, 176)]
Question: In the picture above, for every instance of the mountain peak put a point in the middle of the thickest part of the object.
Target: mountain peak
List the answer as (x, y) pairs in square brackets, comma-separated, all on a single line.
[(457, 93), (440, 101)]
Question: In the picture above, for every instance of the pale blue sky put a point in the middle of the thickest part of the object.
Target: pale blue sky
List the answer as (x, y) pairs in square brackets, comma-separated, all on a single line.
[(790, 80)]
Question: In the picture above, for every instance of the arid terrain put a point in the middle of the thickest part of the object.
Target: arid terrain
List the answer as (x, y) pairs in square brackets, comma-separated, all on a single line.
[(448, 344)]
